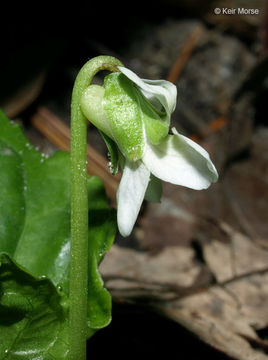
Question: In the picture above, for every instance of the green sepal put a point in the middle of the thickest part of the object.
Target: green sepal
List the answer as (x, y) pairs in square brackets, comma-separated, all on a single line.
[(113, 153), (123, 110), (156, 126), (154, 190)]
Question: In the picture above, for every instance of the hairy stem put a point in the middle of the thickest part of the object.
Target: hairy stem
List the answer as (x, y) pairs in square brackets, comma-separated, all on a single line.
[(79, 209)]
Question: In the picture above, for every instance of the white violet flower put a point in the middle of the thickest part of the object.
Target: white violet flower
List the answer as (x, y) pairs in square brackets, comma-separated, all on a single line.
[(133, 115)]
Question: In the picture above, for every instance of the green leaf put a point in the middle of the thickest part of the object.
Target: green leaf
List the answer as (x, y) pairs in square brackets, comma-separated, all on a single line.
[(33, 316), (35, 232), (102, 229)]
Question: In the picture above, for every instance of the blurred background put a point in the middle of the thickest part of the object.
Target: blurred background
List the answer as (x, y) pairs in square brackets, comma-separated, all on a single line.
[(190, 280)]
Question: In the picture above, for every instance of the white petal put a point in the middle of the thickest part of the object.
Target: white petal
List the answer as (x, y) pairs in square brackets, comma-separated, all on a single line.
[(130, 195), (181, 161), (199, 149), (162, 90)]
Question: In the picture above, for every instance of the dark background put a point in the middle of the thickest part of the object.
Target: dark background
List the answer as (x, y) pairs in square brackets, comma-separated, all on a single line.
[(57, 40)]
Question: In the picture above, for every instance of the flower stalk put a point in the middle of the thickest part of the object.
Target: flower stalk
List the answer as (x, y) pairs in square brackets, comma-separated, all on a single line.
[(79, 208)]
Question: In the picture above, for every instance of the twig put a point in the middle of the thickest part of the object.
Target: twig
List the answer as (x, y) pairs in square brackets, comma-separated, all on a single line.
[(184, 55), (176, 70), (214, 126)]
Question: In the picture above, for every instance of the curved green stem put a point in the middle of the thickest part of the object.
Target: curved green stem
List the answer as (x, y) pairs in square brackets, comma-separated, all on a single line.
[(79, 208)]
